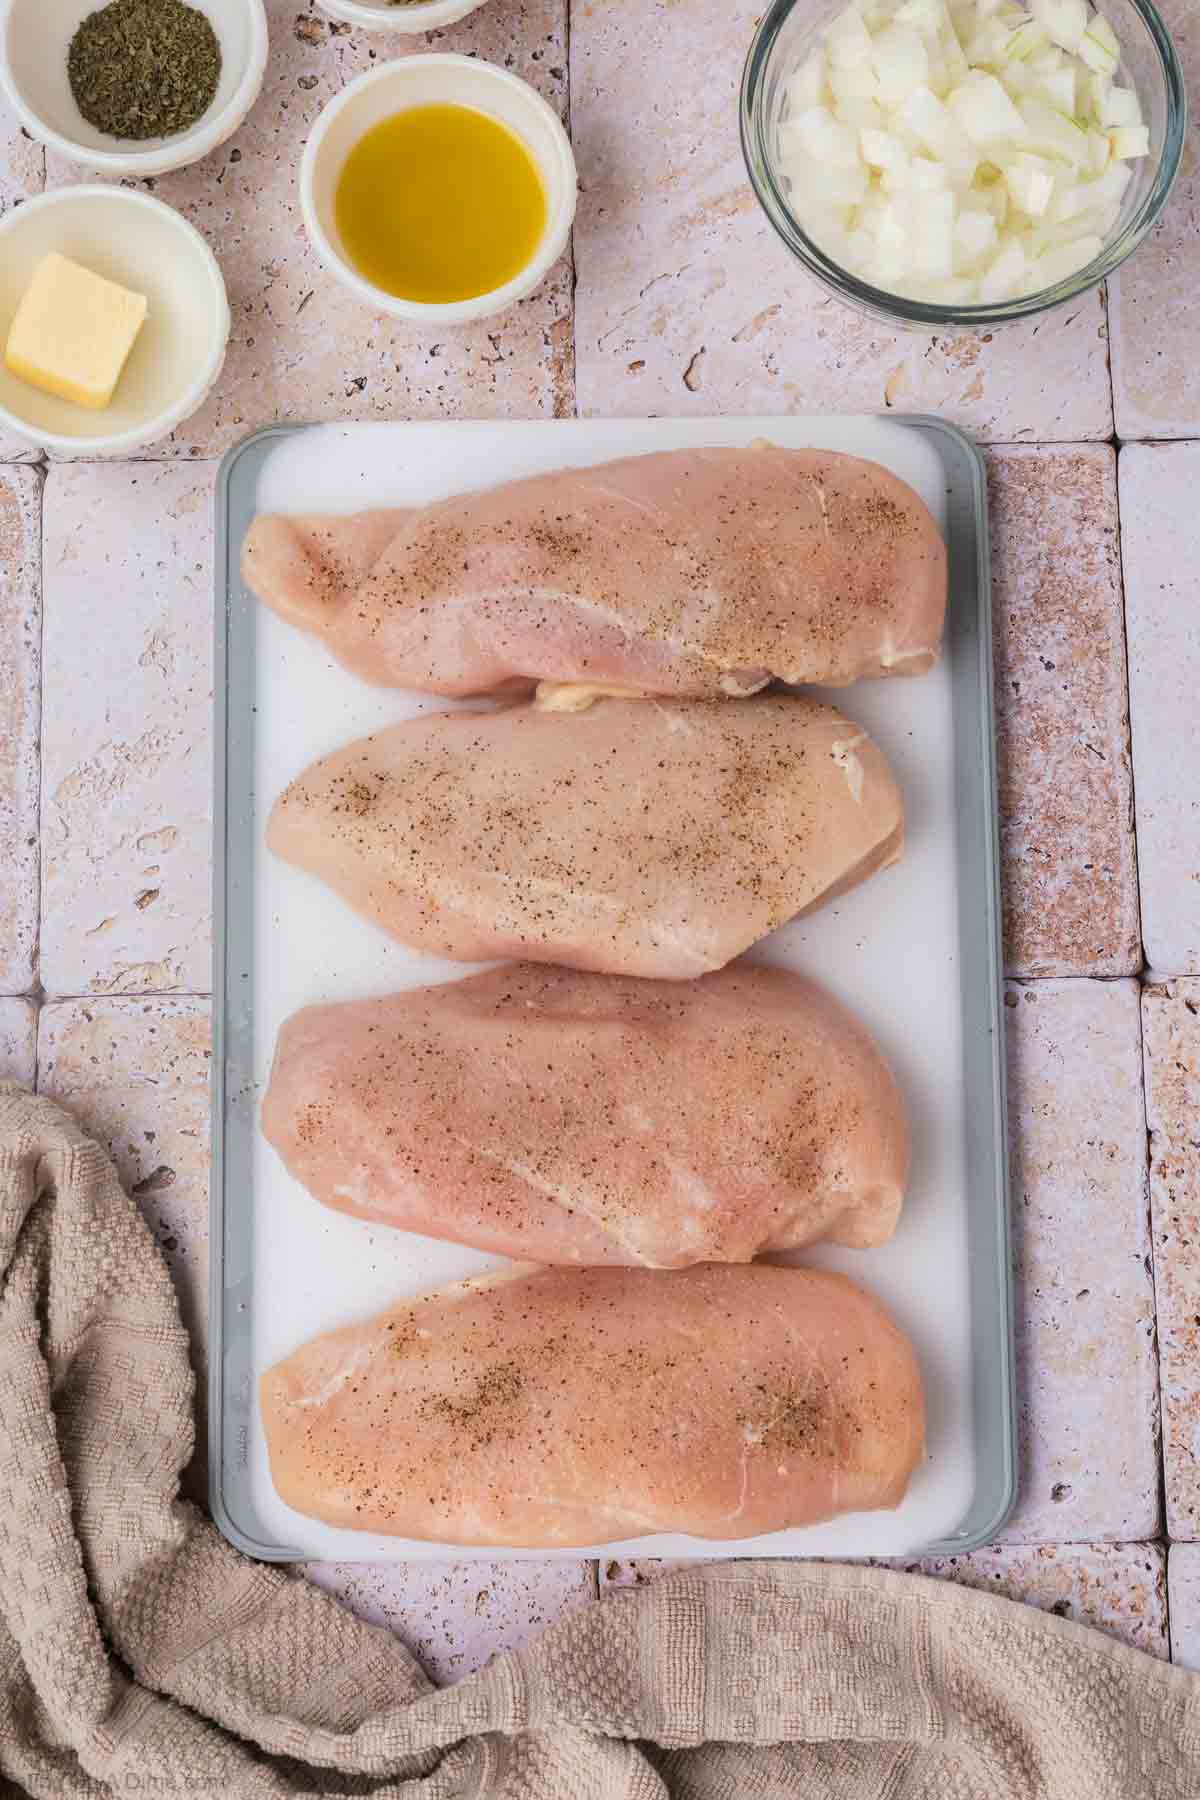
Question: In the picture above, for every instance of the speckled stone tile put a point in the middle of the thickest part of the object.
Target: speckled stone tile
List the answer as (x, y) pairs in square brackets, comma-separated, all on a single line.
[(1154, 301), (1117, 1588), (454, 1616), (302, 347), (127, 757), (1183, 1589), (22, 162), (18, 1041), (1159, 483), (1087, 1379), (688, 302), (136, 1073), (1171, 1040), (1066, 801), (20, 705), (22, 175)]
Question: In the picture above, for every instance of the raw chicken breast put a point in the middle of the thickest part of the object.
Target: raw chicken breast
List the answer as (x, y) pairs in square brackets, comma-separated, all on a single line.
[(701, 572), (556, 1408), (655, 838), (560, 1117)]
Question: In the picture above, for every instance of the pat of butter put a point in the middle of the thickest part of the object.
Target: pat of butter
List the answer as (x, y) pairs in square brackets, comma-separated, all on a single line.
[(73, 332)]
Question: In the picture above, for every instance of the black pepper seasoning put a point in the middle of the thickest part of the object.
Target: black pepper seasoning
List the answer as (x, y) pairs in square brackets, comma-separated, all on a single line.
[(144, 68)]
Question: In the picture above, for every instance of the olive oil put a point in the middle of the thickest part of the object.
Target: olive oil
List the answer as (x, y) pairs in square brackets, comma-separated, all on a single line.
[(440, 203)]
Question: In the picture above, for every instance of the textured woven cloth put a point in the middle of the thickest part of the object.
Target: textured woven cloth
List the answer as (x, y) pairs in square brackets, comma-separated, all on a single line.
[(141, 1655)]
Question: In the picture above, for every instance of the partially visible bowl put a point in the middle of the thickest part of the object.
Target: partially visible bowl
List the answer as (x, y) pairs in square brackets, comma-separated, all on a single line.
[(411, 17), (34, 41), (789, 29), (132, 238), (437, 80)]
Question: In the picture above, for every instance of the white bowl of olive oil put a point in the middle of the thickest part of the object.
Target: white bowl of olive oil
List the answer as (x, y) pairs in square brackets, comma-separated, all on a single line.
[(439, 188)]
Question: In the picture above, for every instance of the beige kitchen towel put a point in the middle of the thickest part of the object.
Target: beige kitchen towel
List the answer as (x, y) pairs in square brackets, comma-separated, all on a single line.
[(140, 1655)]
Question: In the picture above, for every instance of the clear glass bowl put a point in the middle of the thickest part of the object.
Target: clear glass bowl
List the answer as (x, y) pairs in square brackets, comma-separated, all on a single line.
[(1149, 63)]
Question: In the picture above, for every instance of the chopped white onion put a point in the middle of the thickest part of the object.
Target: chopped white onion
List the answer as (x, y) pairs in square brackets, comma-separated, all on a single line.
[(961, 151), (1129, 141)]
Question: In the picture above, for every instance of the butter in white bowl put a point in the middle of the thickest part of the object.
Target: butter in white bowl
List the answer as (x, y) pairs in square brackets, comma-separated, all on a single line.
[(73, 332), (135, 244)]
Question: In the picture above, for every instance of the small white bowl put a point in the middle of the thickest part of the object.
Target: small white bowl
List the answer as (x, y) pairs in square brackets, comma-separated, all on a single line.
[(437, 80), (411, 18), (134, 239), (34, 40)]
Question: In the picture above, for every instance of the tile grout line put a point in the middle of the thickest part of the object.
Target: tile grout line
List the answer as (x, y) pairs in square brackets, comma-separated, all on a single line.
[(36, 991), (1142, 984)]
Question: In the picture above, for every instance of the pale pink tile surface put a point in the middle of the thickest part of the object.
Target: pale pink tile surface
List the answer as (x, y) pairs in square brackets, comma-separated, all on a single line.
[(302, 347), (22, 163), (127, 758), (1087, 1387), (1066, 799), (20, 704), (687, 302), (454, 1616), (136, 1075), (1159, 486), (1154, 301), (18, 1041), (1183, 1589), (1171, 1030), (1117, 1588)]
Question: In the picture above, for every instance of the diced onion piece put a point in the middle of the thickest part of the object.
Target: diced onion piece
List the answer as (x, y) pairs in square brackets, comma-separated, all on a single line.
[(1099, 47), (822, 137), (858, 114), (933, 126), (1120, 106), (1070, 202), (1003, 280), (993, 198), (1059, 91), (1058, 265), (1109, 190), (882, 150), (808, 86), (924, 16), (846, 186), (983, 111), (974, 240), (848, 40), (1128, 141), (1048, 133), (932, 228), (1064, 20), (1101, 151), (1030, 185), (1023, 40), (892, 233), (856, 83), (901, 62)]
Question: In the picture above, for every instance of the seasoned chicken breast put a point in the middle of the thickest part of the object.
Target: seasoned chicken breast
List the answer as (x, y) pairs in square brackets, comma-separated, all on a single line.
[(701, 572), (637, 838), (561, 1117), (556, 1408)]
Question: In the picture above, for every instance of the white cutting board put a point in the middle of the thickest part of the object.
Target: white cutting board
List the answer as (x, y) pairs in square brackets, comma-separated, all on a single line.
[(890, 950)]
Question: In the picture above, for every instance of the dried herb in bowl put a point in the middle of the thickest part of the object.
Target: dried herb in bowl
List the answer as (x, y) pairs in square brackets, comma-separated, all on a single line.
[(144, 68)]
